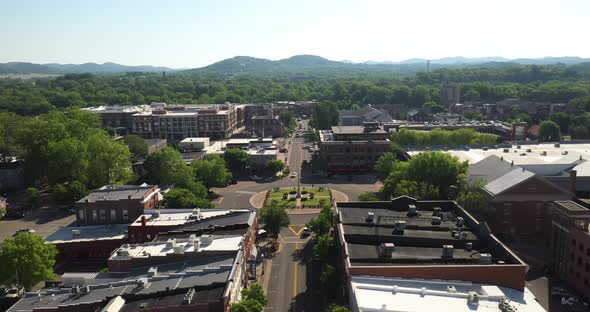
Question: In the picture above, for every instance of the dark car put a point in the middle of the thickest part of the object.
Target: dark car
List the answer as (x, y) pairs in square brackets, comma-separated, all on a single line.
[(30, 231), (14, 213)]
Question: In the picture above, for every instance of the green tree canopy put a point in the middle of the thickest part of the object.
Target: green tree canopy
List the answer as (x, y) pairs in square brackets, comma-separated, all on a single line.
[(273, 219), (337, 308), (275, 166), (368, 196), (211, 171), (325, 116), (428, 175), (28, 256), (323, 223), (563, 120), (255, 292), (137, 146), (236, 160), (183, 198), (166, 167), (549, 132)]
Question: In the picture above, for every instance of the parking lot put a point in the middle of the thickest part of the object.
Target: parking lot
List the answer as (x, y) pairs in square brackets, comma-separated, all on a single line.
[(43, 221)]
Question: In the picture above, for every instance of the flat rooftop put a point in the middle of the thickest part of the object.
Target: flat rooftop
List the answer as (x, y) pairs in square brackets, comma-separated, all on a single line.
[(354, 130), (571, 205), (191, 245), (117, 192), (172, 217), (172, 277), (544, 159), (199, 296), (404, 294), (88, 233), (189, 140), (391, 233)]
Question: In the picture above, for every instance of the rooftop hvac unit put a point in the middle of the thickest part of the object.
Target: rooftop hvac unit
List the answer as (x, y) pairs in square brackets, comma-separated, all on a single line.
[(206, 239), (447, 251), (543, 153), (437, 211), (171, 243), (85, 289), (155, 214), (386, 249), (485, 258), (473, 298), (399, 226), (178, 250), (460, 221), (123, 253), (436, 220), (153, 271), (370, 217), (468, 246), (412, 211), (556, 145), (142, 282), (464, 235), (188, 298), (76, 233)]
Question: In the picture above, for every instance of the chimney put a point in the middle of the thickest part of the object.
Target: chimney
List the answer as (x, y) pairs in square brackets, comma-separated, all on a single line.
[(573, 176), (142, 220)]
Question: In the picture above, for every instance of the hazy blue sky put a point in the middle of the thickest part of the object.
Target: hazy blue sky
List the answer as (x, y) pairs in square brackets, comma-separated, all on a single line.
[(197, 33)]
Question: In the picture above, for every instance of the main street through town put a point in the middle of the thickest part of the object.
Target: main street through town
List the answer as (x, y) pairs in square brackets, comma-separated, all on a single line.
[(290, 276)]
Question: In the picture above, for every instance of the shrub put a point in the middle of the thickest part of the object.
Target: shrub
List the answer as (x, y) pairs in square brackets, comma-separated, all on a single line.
[(293, 192), (303, 192)]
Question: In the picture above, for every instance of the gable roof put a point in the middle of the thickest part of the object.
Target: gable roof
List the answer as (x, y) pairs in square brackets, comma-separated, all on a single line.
[(489, 169), (508, 181)]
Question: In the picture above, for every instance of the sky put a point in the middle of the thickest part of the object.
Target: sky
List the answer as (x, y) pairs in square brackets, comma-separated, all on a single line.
[(189, 34)]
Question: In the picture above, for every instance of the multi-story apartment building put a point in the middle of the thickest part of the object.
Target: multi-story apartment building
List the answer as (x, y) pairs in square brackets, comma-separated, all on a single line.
[(570, 244), (175, 122), (353, 149)]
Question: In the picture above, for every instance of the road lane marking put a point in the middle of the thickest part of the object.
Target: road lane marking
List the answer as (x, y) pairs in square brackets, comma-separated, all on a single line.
[(295, 275), (296, 232)]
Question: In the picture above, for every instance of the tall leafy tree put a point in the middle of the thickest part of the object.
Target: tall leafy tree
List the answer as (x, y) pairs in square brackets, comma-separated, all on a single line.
[(137, 146), (108, 161), (236, 160), (273, 219), (183, 198), (27, 259), (211, 171), (549, 131)]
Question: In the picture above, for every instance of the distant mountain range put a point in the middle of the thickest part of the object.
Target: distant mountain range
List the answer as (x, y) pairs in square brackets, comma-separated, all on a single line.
[(58, 69), (295, 66), (458, 60)]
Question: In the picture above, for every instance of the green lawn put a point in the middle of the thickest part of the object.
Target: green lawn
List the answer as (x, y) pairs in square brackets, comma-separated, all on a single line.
[(278, 196)]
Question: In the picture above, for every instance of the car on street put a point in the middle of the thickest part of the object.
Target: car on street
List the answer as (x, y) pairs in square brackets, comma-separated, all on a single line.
[(14, 292), (31, 231), (293, 174), (14, 213), (306, 232)]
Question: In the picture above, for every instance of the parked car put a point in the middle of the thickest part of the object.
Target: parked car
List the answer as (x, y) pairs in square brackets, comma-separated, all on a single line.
[(293, 174), (306, 232), (14, 292), (31, 231)]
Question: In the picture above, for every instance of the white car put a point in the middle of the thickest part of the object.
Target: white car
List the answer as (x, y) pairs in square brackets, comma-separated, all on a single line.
[(293, 175)]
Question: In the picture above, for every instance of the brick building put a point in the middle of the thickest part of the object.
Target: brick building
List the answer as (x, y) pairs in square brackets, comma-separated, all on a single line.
[(521, 201), (570, 244), (406, 238), (112, 204), (88, 243), (353, 149)]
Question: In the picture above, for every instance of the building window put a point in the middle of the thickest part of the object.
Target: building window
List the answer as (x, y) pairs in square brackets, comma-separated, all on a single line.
[(574, 242), (581, 247), (94, 215), (81, 214), (587, 267), (103, 215), (113, 214), (125, 215), (579, 261)]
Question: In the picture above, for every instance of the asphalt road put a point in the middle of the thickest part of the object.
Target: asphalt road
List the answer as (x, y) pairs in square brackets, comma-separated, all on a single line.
[(43, 221), (292, 286)]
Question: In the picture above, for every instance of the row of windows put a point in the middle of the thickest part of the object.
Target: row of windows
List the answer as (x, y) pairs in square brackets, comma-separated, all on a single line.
[(103, 214), (580, 247)]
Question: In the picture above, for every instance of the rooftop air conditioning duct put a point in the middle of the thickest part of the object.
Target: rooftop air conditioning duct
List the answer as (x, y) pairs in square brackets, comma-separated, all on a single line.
[(171, 243), (437, 211), (412, 211), (370, 217), (447, 251), (153, 271), (473, 298), (206, 239), (468, 246), (485, 258), (436, 220), (76, 233), (399, 226), (386, 249), (178, 249)]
